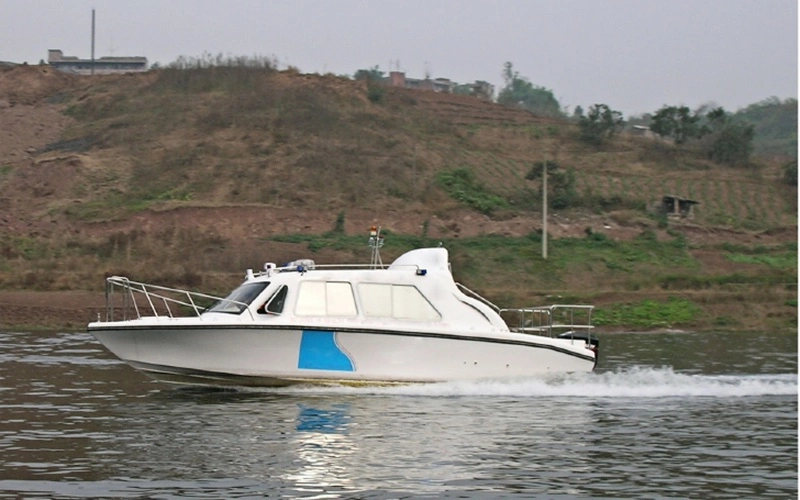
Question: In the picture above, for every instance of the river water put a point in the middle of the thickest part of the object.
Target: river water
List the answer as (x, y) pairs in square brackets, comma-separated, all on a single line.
[(668, 415)]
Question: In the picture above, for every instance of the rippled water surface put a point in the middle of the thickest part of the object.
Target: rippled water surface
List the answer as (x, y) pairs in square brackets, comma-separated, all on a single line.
[(664, 416)]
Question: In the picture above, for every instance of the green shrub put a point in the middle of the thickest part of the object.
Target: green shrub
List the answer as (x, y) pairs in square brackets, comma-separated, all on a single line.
[(376, 93), (460, 184), (790, 173), (648, 314)]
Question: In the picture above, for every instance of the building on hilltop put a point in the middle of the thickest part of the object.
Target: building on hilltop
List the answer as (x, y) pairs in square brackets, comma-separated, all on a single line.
[(101, 66), (481, 89), (443, 85)]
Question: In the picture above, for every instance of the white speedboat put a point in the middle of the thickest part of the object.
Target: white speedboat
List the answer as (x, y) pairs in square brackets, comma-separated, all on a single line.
[(307, 323)]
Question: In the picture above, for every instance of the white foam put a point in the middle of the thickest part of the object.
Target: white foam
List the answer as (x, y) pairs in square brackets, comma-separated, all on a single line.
[(635, 382)]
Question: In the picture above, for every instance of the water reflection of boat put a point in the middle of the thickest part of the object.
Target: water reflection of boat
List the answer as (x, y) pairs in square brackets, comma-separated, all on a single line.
[(328, 421), (303, 322), (322, 447)]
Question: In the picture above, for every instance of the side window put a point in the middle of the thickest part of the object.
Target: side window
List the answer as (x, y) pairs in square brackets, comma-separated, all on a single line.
[(339, 299), (408, 303), (376, 299), (396, 301), (311, 299), (319, 298), (275, 304)]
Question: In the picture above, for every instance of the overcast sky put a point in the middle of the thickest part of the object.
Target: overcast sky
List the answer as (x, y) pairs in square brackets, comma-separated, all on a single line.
[(634, 55)]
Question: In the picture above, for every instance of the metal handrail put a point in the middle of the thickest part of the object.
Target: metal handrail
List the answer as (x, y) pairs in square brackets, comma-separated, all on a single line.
[(133, 289), (549, 320), (541, 320), (330, 267)]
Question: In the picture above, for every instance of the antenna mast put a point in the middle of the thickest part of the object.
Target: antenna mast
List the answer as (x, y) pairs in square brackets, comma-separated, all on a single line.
[(375, 243)]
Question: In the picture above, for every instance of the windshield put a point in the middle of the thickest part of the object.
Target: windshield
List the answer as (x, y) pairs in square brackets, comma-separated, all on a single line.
[(239, 299)]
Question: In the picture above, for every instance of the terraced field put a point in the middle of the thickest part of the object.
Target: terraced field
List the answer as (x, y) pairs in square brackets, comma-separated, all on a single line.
[(738, 198)]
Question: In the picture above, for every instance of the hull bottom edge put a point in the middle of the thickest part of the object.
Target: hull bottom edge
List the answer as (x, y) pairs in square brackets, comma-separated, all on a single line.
[(193, 377)]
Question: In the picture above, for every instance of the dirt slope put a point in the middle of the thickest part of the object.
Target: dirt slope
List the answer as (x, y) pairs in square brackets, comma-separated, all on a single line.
[(40, 176)]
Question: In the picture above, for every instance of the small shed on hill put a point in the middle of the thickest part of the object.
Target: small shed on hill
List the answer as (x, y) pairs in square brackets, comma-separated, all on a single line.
[(677, 207)]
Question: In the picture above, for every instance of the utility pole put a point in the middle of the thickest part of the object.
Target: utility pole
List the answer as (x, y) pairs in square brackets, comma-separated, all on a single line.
[(544, 210), (414, 170), (92, 42)]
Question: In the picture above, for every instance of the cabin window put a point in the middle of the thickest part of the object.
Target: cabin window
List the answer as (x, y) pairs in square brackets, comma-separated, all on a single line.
[(320, 298), (275, 304), (396, 301), (239, 299), (376, 299), (339, 299), (311, 299)]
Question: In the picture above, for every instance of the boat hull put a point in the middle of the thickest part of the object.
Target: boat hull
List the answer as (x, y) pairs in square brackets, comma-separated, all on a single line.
[(256, 355)]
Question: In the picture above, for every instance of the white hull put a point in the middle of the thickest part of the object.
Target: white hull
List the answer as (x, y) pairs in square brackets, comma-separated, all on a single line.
[(304, 323), (239, 355)]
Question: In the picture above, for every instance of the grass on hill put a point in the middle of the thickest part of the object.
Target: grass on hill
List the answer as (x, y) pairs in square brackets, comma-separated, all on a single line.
[(250, 134)]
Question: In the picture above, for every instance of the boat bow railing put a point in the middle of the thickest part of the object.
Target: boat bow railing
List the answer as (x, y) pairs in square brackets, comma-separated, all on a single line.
[(550, 321), (142, 299)]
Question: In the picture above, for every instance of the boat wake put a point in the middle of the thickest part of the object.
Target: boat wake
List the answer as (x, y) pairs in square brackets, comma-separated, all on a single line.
[(636, 382)]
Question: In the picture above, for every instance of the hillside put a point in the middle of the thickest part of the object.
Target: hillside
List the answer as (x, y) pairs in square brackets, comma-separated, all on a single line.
[(775, 123), (190, 176)]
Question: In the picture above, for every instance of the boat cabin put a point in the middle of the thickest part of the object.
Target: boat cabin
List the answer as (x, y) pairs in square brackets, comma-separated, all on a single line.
[(423, 291)]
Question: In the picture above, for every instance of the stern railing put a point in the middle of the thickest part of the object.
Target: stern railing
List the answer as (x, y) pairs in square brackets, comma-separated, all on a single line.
[(550, 321)]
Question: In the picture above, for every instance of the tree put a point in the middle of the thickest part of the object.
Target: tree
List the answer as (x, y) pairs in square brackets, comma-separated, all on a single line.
[(723, 139), (775, 123), (600, 124), (519, 92), (732, 144), (716, 119), (373, 74), (561, 184), (374, 78), (677, 123)]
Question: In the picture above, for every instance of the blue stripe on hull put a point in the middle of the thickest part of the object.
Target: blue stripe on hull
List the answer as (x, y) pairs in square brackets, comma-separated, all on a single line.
[(318, 351)]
